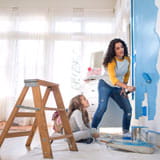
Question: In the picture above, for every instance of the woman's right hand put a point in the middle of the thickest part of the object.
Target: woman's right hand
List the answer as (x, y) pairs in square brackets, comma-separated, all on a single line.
[(131, 88)]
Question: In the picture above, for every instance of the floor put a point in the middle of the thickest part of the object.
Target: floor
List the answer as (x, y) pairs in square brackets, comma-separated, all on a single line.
[(14, 149)]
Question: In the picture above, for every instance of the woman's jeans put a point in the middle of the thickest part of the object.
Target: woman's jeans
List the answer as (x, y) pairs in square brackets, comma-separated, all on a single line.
[(106, 91)]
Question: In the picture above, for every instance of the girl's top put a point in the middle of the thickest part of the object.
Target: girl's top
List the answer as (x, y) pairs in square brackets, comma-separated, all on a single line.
[(76, 121), (80, 130)]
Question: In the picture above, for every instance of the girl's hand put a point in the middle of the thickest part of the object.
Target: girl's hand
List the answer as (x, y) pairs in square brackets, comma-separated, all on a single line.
[(95, 135)]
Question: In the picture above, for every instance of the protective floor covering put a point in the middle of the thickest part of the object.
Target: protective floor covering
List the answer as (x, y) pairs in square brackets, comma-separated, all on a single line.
[(95, 151)]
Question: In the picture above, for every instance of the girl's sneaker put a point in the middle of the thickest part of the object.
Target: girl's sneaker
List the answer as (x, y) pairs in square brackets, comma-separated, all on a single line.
[(87, 140)]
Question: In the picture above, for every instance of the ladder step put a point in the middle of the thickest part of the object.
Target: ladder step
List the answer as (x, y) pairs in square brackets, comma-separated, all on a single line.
[(25, 114), (37, 82), (31, 82), (55, 109), (17, 134), (61, 137), (27, 107)]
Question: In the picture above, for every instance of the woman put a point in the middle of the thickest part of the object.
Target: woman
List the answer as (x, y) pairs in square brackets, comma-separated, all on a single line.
[(79, 120), (114, 83)]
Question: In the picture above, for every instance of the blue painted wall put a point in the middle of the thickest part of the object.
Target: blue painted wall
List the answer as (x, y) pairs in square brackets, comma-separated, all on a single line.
[(145, 47)]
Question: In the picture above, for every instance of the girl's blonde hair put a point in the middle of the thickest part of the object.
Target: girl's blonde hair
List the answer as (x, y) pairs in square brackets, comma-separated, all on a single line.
[(75, 103)]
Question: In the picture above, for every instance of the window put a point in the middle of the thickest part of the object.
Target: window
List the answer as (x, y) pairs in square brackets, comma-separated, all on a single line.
[(48, 45)]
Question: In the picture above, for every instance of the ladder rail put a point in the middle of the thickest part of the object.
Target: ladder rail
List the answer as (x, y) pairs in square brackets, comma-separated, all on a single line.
[(34, 126), (67, 129), (13, 113), (42, 123)]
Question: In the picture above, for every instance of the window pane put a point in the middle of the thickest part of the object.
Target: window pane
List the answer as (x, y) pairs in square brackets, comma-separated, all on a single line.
[(96, 27), (3, 67), (68, 27), (4, 52), (5, 24), (30, 59), (67, 62), (32, 25)]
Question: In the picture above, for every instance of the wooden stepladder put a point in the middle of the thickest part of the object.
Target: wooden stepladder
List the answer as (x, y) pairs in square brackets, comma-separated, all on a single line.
[(39, 114)]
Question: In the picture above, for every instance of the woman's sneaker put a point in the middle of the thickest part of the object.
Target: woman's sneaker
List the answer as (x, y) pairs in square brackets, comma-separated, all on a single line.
[(127, 136)]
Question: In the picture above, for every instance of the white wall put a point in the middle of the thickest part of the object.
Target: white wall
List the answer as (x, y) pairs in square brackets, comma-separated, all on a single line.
[(154, 124), (157, 117)]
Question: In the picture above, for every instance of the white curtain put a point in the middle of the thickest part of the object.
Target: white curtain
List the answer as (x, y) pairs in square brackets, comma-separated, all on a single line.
[(48, 44)]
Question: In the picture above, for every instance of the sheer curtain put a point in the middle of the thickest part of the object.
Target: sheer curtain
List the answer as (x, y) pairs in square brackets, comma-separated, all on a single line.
[(49, 44)]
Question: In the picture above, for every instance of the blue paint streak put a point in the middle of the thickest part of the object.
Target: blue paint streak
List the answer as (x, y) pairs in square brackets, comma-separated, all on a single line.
[(144, 110), (147, 78), (136, 143), (152, 131), (146, 44), (139, 127)]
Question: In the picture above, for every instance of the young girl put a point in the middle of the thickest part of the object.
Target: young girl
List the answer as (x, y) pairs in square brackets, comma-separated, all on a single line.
[(79, 120)]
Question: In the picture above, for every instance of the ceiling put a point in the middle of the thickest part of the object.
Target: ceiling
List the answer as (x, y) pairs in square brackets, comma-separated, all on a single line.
[(95, 4)]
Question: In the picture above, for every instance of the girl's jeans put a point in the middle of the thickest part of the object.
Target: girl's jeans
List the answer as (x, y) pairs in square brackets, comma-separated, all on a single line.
[(105, 91)]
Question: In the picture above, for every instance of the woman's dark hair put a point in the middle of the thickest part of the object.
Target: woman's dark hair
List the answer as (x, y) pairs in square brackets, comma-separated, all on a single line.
[(110, 54), (75, 103)]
